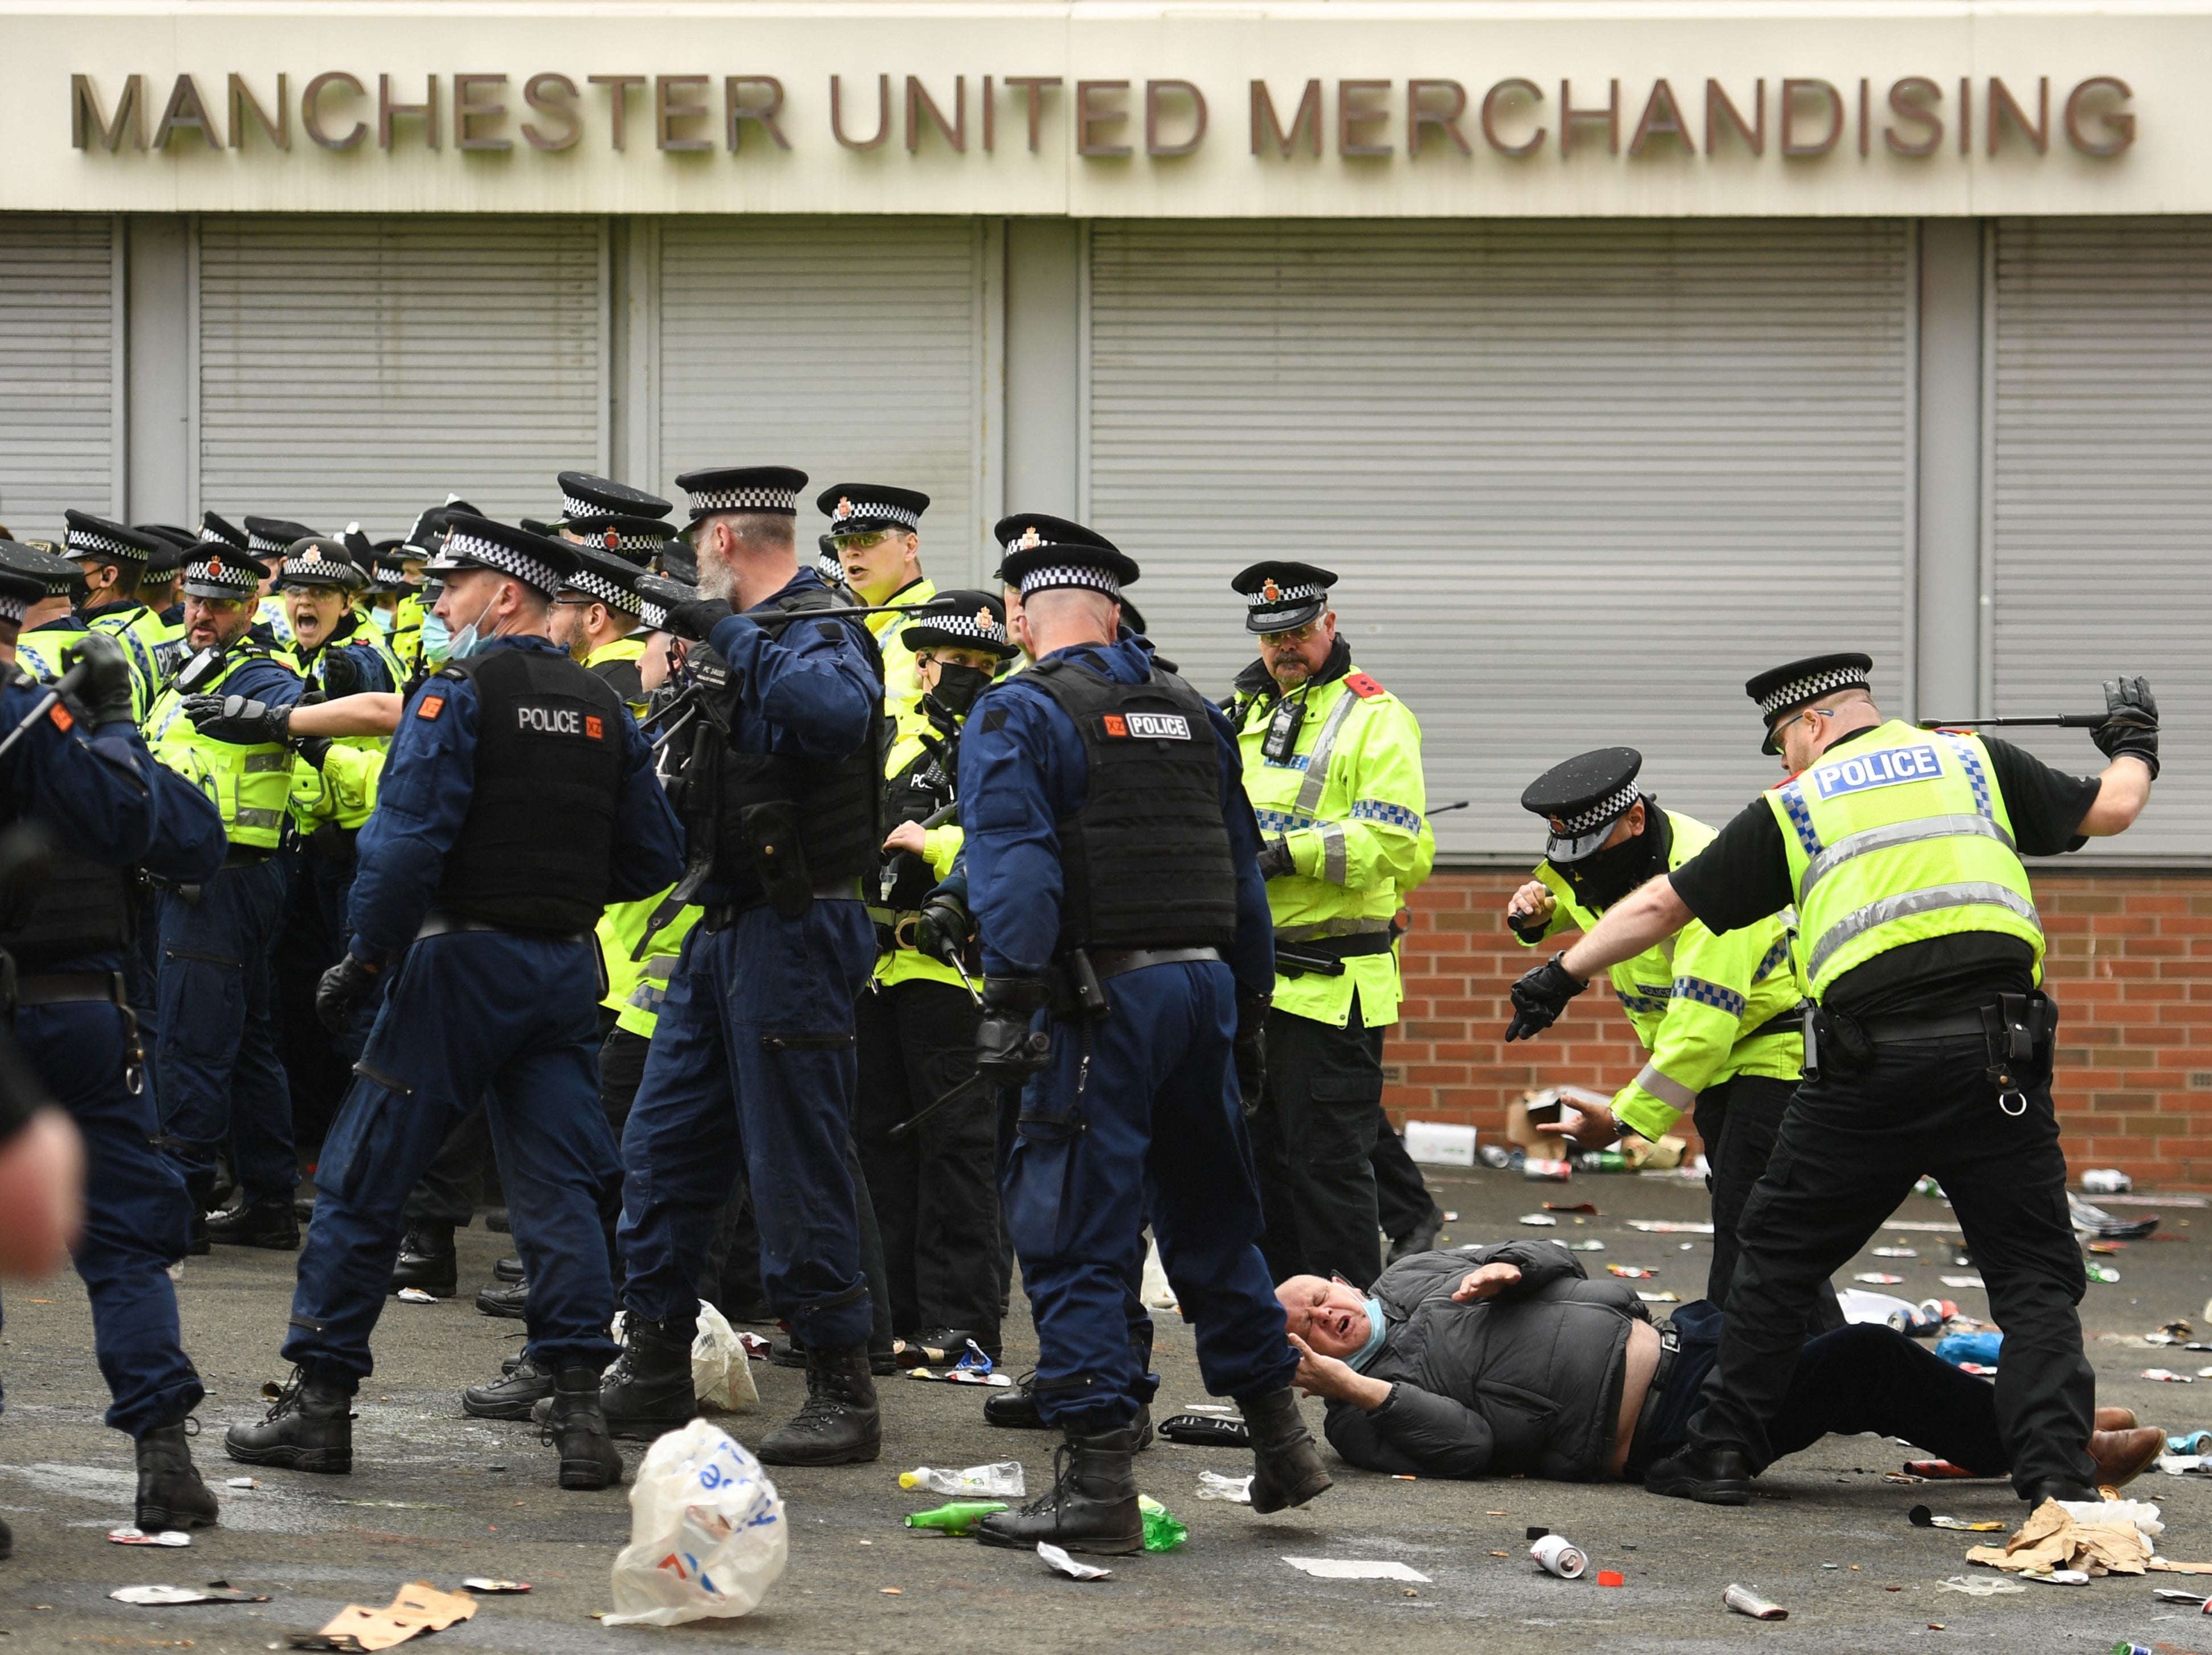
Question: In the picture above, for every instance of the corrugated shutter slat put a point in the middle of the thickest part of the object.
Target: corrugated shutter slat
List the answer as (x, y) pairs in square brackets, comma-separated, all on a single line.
[(57, 364)]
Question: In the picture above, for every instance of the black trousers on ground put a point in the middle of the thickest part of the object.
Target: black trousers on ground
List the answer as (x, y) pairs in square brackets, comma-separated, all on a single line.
[(1850, 1148), (1738, 1119), (1402, 1201), (1313, 1136), (935, 1190)]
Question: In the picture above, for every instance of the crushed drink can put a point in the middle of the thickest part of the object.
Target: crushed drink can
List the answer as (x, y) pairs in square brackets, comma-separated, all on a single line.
[(1557, 1554), (1744, 1601), (1549, 1171)]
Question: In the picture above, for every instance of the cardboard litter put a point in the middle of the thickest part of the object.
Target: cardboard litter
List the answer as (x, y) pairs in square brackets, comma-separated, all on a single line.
[(1350, 1568), (418, 1607), (2055, 1537)]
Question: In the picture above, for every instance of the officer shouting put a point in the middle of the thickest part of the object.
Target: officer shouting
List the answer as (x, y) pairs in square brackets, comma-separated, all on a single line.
[(1113, 867), (517, 800), (1930, 1050)]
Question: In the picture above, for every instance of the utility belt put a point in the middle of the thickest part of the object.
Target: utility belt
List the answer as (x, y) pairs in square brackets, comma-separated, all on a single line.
[(1078, 977), (444, 922), (1789, 1022), (720, 915), (28, 989), (236, 856), (1325, 955), (2019, 1034)]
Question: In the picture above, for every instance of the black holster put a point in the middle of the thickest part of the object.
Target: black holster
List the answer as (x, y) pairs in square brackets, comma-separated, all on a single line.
[(2021, 1031), (770, 831)]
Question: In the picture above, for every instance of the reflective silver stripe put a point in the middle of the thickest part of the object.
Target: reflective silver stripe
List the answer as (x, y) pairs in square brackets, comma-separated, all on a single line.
[(662, 966), (1666, 1090), (1316, 780), (1344, 927), (247, 817), (1333, 856), (647, 996), (1898, 833), (279, 760), (1970, 895)]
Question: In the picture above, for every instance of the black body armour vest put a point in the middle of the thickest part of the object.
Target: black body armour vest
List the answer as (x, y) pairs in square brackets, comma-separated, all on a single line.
[(915, 794), (737, 805), (74, 906), (1145, 863), (536, 850)]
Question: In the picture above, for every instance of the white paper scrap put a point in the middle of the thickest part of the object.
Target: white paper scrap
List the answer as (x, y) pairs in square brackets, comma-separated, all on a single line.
[(1357, 1568), (1057, 1559)]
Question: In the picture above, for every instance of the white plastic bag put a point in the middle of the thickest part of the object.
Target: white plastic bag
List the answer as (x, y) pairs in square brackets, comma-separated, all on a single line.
[(707, 1533), (722, 1374)]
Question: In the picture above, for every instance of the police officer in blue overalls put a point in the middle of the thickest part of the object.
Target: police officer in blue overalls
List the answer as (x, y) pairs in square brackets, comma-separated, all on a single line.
[(1126, 951), (781, 806), (83, 802), (517, 800)]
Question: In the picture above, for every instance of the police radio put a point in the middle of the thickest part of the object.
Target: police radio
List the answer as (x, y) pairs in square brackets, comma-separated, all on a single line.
[(1283, 729)]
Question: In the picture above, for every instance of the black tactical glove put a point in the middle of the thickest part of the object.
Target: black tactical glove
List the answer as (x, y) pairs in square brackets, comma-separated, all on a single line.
[(696, 619), (236, 720), (106, 690), (1540, 996), (1529, 927), (341, 674), (1007, 1052), (1251, 1051), (2130, 726), (343, 988), (1276, 858), (945, 929)]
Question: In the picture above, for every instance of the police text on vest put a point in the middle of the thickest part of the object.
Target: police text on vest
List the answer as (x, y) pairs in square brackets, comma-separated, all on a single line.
[(550, 720), (1884, 767)]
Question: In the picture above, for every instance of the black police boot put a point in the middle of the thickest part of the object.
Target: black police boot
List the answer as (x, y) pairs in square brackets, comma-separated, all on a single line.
[(647, 1392), (199, 1195), (1017, 1410), (1711, 1477), (507, 1269), (838, 1423), (1091, 1505), (1421, 1238), (427, 1260), (1286, 1468), (309, 1427), (170, 1493), (790, 1350), (512, 1302), (512, 1394), (578, 1428), (270, 1223)]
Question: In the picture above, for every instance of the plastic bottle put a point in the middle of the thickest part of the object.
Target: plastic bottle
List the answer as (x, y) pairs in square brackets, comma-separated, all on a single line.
[(1163, 1533), (959, 1517), (1004, 1477), (1983, 1348)]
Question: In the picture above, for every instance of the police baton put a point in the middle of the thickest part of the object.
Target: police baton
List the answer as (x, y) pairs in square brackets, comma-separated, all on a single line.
[(2056, 720), (1456, 804), (929, 1109), (71, 680)]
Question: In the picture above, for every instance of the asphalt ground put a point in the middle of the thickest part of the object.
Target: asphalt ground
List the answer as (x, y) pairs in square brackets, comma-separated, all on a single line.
[(436, 1496)]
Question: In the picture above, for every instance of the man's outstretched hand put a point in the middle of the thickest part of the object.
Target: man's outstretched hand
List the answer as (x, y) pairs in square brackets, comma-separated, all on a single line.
[(1487, 1282)]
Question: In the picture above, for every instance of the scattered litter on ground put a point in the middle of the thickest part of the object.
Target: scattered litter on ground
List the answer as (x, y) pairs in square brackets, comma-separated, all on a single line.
[(1878, 1278), (495, 1588), (2175, 1595), (2059, 1578), (1895, 1252), (1920, 1226), (1055, 1558), (960, 1376), (418, 1607), (2166, 1376), (1451, 1218), (721, 1371), (2107, 1537), (1660, 1297), (2194, 1442), (137, 1537), (1986, 1349), (2103, 1273), (1904, 1479), (241, 1482), (1547, 1171), (1193, 1430), (1163, 1530), (1002, 1479), (1633, 1272), (219, 1591), (1611, 1578), (1211, 1485), (2091, 1221), (1557, 1554), (1540, 1220), (1585, 1207), (1921, 1518), (756, 1349), (960, 1518), (2106, 1181), (1981, 1587), (1662, 1226), (2185, 1465), (708, 1535), (1354, 1568), (1744, 1601), (2106, 1248), (1886, 1310), (416, 1296), (1929, 1188), (1586, 1246)]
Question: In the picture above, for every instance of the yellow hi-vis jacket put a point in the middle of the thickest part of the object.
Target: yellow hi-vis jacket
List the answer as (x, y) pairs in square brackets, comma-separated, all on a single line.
[(139, 630), (342, 789), (250, 786), (634, 966), (1350, 801), (1700, 1004), (940, 848), (902, 687)]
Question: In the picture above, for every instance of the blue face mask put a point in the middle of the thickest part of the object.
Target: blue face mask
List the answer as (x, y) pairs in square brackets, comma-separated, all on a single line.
[(435, 636), (1376, 1328), (467, 641)]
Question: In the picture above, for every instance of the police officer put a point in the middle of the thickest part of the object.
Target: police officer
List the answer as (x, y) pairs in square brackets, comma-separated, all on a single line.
[(83, 801), (830, 566), (517, 799), (162, 627), (1930, 1051), (396, 611), (1718, 1015), (220, 1081), (602, 621), (35, 641), (781, 804), (933, 1182), (112, 558), (270, 539), (1112, 867), (877, 530), (1333, 765), (598, 511)]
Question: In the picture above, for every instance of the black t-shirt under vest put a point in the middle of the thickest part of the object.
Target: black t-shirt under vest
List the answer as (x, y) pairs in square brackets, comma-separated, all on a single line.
[(536, 851), (1145, 863)]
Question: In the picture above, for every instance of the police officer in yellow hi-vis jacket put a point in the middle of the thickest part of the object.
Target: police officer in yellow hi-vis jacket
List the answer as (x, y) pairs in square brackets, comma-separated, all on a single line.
[(1717, 1015), (1332, 767), (1929, 1050), (877, 530)]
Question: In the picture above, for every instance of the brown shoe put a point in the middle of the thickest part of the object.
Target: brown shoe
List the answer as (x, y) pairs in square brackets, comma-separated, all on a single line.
[(2124, 1456), (2115, 1419)]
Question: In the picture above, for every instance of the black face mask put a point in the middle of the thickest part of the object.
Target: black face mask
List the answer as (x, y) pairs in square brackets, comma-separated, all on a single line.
[(957, 686), (1604, 877)]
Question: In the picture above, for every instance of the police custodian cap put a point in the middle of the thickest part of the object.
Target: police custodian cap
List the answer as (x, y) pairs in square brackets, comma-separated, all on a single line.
[(55, 573), (1044, 553), (87, 536), (539, 562), (607, 578), (743, 489), (1582, 798), (26, 578), (1782, 689), (959, 619), (216, 568), (1282, 596), (584, 496), (270, 538), (827, 563), (319, 561), (865, 508)]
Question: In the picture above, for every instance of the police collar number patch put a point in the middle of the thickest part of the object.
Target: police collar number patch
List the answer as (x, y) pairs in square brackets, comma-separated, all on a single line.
[(1885, 768), (539, 718), (1155, 726)]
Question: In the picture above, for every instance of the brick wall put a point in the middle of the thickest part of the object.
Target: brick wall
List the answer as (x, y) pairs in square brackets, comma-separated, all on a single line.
[(2130, 964)]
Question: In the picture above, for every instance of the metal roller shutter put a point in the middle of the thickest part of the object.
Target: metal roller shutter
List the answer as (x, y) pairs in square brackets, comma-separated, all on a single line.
[(1580, 480), (361, 368), (2102, 492), (57, 364), (852, 349)]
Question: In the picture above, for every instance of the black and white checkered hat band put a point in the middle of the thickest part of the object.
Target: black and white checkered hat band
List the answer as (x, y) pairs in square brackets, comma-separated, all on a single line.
[(827, 566), (262, 546), (14, 609), (1285, 596), (90, 543), (613, 595), (652, 615), (760, 499), (879, 508), (1606, 810), (461, 544), (961, 626), (1059, 575), (241, 578), (1800, 691), (572, 506)]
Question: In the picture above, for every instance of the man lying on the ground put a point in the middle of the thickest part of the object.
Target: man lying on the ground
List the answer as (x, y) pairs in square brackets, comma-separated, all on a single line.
[(1507, 1358)]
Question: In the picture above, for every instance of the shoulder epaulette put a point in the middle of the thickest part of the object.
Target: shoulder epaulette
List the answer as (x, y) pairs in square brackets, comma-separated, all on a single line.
[(1363, 686)]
